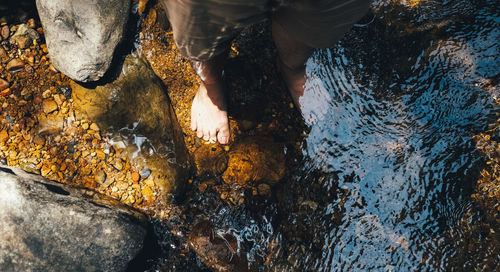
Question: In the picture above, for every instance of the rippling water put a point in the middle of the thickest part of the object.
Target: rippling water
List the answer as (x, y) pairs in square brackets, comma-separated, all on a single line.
[(389, 163)]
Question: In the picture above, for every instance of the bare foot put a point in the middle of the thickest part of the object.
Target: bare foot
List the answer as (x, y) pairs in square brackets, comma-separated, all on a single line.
[(209, 114)]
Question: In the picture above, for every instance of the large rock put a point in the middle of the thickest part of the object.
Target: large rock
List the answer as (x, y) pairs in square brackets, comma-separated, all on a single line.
[(255, 159), (46, 226), (135, 110), (82, 35)]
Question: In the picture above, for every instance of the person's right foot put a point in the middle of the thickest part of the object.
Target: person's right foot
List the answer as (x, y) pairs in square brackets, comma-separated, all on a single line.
[(209, 114)]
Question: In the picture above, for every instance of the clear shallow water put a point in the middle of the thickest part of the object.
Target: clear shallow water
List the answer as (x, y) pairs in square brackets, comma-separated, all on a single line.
[(383, 180)]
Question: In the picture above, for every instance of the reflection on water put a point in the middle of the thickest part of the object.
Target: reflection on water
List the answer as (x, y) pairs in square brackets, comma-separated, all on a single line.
[(389, 163)]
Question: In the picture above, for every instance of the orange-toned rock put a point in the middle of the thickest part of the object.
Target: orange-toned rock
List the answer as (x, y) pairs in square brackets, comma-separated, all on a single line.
[(6, 92), (210, 159), (15, 64), (3, 55), (49, 106), (4, 135), (3, 84), (5, 32), (135, 177), (94, 127), (255, 159)]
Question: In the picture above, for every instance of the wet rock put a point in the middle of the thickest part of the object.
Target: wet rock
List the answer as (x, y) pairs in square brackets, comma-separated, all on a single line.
[(210, 159), (255, 159), (135, 177), (46, 226), (5, 32), (14, 65), (145, 173), (24, 36), (82, 35), (136, 110), (3, 84), (219, 252), (50, 123), (3, 55), (4, 135), (49, 106)]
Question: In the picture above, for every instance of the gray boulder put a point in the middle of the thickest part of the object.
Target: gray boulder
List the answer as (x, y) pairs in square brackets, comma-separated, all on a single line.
[(47, 226), (82, 35)]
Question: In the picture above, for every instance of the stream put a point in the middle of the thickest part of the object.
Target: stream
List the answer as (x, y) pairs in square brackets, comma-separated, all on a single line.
[(383, 180)]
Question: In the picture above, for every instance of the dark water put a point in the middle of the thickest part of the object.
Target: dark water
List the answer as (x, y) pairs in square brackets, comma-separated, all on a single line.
[(384, 178)]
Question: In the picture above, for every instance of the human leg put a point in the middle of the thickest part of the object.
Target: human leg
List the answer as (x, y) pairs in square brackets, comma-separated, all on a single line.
[(292, 57), (209, 111)]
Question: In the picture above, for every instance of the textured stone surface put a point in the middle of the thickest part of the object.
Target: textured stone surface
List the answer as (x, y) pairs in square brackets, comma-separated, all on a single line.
[(255, 159), (82, 35), (135, 110), (218, 251), (24, 36), (46, 226)]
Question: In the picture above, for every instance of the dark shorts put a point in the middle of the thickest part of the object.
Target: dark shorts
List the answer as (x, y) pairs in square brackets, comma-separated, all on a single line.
[(205, 28)]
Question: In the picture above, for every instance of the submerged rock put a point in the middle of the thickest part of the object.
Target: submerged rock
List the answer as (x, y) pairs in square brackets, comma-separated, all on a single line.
[(135, 111), (255, 159), (82, 35), (46, 226), (219, 252), (210, 159)]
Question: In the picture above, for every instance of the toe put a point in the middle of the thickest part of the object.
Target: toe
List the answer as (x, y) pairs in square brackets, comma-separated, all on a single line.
[(199, 133), (223, 135), (206, 135), (213, 136)]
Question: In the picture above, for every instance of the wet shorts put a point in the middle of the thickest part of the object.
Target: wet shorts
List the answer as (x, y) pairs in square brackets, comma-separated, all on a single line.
[(205, 28)]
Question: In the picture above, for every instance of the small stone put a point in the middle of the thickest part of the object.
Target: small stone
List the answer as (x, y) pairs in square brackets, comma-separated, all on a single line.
[(3, 84), (135, 177), (100, 154), (3, 55), (100, 176), (58, 99), (31, 23), (5, 32), (4, 135), (22, 42), (94, 127), (264, 189), (85, 126), (38, 140), (12, 154), (45, 170), (47, 94), (14, 65), (108, 182), (118, 165), (29, 167), (148, 193), (145, 173), (49, 106), (24, 36), (6, 92)]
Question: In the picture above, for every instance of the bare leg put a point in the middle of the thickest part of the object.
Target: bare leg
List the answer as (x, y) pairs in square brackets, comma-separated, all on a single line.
[(293, 55), (209, 110)]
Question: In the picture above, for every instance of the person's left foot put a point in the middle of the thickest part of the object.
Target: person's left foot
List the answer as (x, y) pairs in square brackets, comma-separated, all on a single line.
[(209, 114)]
